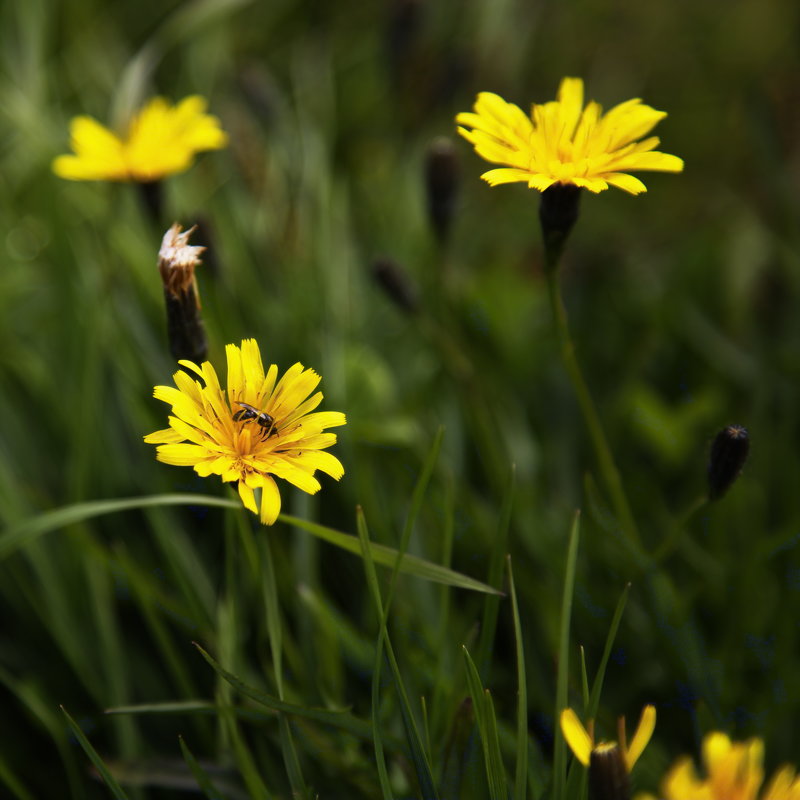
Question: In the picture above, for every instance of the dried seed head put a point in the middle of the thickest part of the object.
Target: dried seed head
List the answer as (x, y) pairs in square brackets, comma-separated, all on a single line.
[(177, 260), (727, 457)]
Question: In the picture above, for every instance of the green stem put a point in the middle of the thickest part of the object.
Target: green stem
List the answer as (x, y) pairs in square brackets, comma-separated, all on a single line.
[(605, 459), (678, 530)]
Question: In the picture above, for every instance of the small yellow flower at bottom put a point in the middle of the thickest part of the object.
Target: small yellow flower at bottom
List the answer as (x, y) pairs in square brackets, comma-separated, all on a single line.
[(161, 140), (582, 744), (734, 772), (256, 428)]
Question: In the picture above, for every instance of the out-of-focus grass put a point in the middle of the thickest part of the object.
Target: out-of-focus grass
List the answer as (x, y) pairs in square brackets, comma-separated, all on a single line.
[(682, 302)]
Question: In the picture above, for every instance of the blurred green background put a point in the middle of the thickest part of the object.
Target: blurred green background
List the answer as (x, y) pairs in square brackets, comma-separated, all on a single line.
[(682, 302)]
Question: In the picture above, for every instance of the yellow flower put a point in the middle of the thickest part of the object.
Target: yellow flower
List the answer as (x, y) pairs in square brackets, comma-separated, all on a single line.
[(735, 772), (259, 427), (161, 140), (563, 142), (582, 744)]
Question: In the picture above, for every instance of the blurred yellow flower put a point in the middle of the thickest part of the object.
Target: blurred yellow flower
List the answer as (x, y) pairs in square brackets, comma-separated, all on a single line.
[(582, 744), (565, 142), (734, 772), (259, 427), (161, 140)]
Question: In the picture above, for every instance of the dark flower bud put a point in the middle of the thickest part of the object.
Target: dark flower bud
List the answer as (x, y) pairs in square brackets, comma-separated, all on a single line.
[(394, 281), (728, 454), (402, 31), (442, 175), (608, 773), (558, 212), (176, 264)]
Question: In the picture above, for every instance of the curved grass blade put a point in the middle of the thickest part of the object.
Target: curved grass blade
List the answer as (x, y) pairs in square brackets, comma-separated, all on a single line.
[(20, 534), (31, 529), (110, 780), (200, 775), (337, 719)]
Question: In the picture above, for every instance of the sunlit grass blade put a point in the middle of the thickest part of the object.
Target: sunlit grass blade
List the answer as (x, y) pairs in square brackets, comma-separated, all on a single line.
[(338, 719), (200, 775), (487, 726), (29, 530), (521, 771), (491, 604), (109, 779), (416, 748), (559, 746)]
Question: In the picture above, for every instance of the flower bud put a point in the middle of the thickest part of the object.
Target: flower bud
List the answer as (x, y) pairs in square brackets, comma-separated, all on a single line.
[(396, 284), (442, 174), (726, 459), (608, 774)]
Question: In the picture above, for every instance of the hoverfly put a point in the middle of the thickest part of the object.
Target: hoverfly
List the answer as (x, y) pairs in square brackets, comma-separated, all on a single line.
[(249, 413)]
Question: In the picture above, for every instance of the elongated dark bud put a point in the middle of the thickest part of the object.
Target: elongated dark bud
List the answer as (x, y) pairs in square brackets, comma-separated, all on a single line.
[(396, 284), (558, 212), (608, 774), (728, 455), (442, 176), (176, 264)]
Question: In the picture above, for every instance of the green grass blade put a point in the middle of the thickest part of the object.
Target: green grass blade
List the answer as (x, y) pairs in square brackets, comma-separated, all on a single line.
[(374, 589), (584, 679), (338, 719), (109, 779), (487, 726), (521, 772), (200, 775), (416, 747), (597, 686), (13, 783), (491, 604), (559, 747)]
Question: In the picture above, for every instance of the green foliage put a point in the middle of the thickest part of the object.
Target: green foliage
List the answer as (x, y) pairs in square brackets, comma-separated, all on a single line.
[(328, 658)]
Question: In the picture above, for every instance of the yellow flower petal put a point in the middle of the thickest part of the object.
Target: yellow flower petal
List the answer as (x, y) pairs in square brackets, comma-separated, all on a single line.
[(270, 502), (576, 736), (644, 731)]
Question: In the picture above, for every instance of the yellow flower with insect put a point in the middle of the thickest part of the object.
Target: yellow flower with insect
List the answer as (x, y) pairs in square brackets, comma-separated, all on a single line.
[(255, 430), (734, 771), (564, 142), (161, 140)]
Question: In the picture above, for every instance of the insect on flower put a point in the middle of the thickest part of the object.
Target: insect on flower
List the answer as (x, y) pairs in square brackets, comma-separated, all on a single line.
[(248, 413)]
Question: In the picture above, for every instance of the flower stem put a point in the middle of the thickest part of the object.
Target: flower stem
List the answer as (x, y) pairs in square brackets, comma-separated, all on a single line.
[(605, 459)]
